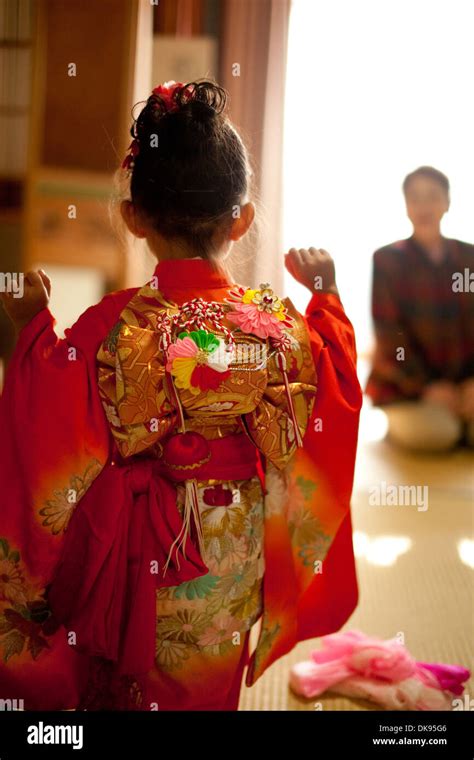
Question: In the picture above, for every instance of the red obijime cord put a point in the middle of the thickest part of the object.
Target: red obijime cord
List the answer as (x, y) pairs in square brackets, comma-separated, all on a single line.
[(191, 505)]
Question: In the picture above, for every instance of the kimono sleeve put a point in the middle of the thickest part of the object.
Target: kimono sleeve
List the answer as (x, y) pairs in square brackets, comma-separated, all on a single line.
[(54, 443), (310, 579)]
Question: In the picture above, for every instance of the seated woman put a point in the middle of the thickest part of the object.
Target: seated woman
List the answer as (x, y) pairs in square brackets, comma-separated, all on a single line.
[(423, 312)]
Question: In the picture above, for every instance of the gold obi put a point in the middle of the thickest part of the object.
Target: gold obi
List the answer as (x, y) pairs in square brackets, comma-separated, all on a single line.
[(138, 400)]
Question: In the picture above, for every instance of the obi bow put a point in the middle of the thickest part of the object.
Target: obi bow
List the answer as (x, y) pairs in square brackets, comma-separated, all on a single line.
[(115, 547)]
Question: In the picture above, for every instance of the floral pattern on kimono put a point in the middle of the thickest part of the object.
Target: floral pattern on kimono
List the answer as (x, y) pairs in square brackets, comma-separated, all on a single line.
[(211, 613)]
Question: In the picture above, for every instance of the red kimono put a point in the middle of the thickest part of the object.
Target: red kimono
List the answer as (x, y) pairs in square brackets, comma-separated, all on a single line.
[(94, 497)]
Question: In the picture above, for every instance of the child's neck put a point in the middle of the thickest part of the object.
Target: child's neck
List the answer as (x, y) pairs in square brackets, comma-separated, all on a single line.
[(168, 249), (169, 253)]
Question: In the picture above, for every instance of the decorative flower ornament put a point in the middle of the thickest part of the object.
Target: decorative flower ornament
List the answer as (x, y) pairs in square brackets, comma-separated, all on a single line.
[(132, 151), (167, 94), (259, 311), (198, 361), (163, 99)]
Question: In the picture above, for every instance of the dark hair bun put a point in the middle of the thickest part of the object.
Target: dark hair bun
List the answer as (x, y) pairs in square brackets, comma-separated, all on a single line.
[(207, 93), (192, 168), (200, 102)]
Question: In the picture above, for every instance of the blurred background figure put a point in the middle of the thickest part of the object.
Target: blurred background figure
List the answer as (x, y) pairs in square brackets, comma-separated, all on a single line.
[(423, 312)]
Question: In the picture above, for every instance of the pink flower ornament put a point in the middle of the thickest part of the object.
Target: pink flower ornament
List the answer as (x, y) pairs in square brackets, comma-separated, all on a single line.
[(259, 312)]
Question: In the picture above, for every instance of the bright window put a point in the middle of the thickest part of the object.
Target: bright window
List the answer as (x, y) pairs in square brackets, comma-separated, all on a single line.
[(374, 89)]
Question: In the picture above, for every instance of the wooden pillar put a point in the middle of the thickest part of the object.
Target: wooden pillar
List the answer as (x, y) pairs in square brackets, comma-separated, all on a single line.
[(92, 62)]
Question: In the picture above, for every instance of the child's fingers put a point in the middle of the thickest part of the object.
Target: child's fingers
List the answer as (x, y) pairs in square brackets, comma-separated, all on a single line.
[(290, 260), (310, 254), (308, 257), (36, 283), (46, 281), (33, 279)]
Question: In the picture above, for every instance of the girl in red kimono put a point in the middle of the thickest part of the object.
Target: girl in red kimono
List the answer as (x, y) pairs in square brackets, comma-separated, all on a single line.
[(180, 466)]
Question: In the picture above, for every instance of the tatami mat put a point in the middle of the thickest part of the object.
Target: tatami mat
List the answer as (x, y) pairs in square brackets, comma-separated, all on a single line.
[(414, 569)]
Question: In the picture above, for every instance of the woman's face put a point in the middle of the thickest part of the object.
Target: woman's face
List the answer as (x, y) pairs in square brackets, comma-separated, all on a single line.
[(426, 202)]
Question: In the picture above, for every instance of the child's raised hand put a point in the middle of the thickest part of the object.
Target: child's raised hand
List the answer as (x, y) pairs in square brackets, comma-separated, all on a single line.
[(312, 267), (35, 297)]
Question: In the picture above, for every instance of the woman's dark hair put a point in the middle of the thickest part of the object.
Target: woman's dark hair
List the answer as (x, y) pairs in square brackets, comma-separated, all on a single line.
[(430, 173), (191, 172)]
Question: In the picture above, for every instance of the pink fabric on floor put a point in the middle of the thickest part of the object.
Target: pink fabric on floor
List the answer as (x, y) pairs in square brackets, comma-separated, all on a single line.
[(356, 665)]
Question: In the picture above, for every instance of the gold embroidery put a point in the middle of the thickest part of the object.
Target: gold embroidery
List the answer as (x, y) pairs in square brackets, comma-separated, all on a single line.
[(58, 510), (25, 618), (207, 614), (134, 386)]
